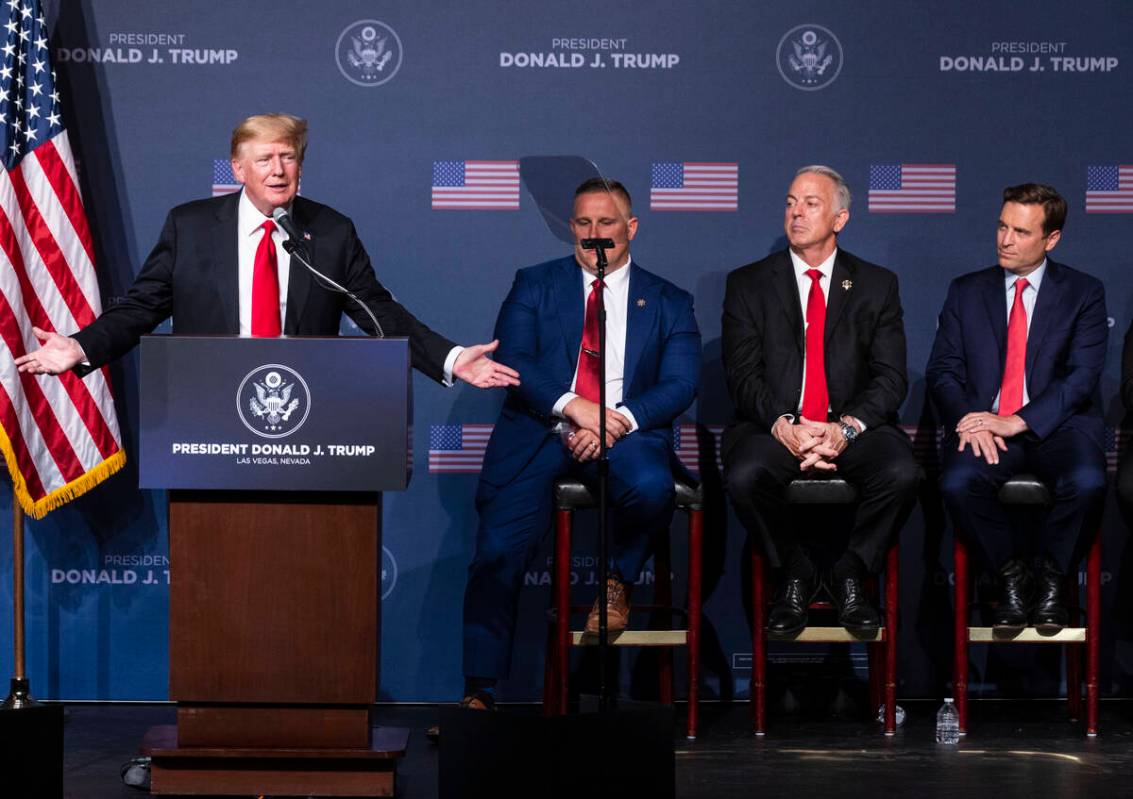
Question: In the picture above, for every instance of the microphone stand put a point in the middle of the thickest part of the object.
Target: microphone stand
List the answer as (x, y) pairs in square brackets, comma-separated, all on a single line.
[(599, 246), (298, 251)]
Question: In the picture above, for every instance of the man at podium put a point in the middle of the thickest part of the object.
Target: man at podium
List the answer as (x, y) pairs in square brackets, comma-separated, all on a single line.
[(220, 267), (549, 425)]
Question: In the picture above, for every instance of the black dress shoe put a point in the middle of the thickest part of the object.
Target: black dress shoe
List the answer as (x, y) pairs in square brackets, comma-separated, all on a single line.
[(855, 613), (1050, 615), (787, 617), (1017, 588)]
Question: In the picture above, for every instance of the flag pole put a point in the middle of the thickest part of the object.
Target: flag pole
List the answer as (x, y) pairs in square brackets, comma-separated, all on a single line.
[(19, 696)]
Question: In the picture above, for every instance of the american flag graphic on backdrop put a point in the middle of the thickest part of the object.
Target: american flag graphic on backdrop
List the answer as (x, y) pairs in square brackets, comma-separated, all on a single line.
[(58, 435), (691, 186), (457, 448), (478, 185), (223, 181), (912, 188), (1109, 189), (687, 444)]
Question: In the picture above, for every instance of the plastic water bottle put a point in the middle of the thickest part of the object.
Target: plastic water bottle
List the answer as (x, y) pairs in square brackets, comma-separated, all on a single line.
[(948, 724)]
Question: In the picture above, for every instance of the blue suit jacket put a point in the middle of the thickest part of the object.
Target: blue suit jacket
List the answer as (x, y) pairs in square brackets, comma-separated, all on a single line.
[(1065, 351), (540, 330)]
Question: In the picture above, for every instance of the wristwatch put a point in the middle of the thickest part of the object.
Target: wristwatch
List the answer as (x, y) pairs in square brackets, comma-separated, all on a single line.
[(849, 432)]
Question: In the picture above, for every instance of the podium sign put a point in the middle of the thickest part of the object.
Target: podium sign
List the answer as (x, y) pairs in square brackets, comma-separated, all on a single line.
[(275, 414)]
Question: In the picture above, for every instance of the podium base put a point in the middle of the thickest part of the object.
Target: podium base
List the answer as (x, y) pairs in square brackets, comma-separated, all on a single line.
[(31, 757), (620, 753), (196, 771)]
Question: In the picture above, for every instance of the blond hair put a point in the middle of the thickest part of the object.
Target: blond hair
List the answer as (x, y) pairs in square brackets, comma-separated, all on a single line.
[(272, 128)]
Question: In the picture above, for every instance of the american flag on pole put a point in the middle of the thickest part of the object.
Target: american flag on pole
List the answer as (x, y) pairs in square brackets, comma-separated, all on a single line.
[(457, 448), (484, 185), (59, 435), (912, 188), (688, 186), (223, 181), (1109, 189)]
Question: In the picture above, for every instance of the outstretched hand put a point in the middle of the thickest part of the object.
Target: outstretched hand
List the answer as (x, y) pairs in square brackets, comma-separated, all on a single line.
[(56, 355), (474, 367)]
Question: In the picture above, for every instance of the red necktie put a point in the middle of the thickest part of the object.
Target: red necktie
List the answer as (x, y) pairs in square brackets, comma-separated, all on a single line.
[(816, 400), (586, 385), (1011, 392), (265, 287)]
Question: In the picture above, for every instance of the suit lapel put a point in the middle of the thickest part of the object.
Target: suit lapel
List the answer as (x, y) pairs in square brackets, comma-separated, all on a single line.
[(841, 287), (995, 303), (787, 286), (569, 306), (641, 314), (1046, 305), (298, 278), (226, 244)]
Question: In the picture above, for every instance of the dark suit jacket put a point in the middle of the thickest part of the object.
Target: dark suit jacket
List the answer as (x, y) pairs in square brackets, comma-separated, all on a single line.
[(1065, 351), (540, 329), (192, 274), (764, 343)]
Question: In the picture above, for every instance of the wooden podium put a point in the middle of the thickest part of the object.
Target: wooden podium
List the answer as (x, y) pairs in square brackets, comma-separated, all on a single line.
[(275, 589)]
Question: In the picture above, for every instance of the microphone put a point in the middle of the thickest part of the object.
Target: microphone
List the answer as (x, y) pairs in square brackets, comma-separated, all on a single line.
[(587, 244), (283, 219)]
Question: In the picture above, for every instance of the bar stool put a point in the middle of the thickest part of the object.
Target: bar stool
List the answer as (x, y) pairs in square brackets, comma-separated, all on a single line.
[(881, 649), (1028, 490), (571, 495)]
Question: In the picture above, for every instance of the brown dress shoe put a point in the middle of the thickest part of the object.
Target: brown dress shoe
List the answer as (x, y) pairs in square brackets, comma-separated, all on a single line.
[(617, 608), (433, 733)]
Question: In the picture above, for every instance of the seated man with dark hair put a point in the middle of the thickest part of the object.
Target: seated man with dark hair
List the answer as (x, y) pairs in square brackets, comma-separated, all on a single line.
[(1013, 374), (548, 426)]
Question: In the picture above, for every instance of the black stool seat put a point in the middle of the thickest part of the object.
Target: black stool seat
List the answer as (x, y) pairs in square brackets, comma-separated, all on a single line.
[(1024, 489), (821, 491), (573, 494)]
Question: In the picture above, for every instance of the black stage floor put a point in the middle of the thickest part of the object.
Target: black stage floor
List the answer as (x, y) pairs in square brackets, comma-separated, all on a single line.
[(1014, 749)]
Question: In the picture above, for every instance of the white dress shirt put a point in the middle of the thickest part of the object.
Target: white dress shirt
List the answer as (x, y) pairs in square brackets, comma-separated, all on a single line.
[(1030, 297), (616, 299), (804, 282), (249, 228)]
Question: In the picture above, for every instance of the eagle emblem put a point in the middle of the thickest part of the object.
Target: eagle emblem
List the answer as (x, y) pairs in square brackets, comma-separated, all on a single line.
[(273, 402)]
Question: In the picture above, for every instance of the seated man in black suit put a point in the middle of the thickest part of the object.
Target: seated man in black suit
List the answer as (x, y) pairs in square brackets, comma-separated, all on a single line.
[(814, 353), (219, 266)]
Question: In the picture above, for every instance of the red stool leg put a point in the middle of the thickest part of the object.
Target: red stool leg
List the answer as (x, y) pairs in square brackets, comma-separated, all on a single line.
[(1093, 631), (892, 575), (960, 629), (663, 596), (695, 546), (758, 640), (1073, 651), (562, 606)]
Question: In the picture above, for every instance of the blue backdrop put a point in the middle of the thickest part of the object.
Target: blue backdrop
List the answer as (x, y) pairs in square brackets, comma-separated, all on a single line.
[(1002, 93)]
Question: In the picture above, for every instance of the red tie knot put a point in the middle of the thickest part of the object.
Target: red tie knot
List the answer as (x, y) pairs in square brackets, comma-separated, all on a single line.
[(268, 226), (814, 274), (1021, 285), (596, 283)]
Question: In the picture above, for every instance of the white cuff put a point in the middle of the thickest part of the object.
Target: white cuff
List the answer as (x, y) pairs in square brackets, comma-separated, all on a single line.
[(560, 405), (450, 362)]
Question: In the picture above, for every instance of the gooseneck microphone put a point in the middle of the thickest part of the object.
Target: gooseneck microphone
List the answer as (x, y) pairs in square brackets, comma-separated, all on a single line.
[(297, 249), (587, 244)]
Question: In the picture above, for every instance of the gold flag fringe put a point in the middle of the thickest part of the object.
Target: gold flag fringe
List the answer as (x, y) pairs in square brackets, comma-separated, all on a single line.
[(38, 508)]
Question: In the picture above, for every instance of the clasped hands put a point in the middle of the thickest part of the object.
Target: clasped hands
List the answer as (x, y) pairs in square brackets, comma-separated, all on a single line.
[(582, 436), (815, 444), (987, 433)]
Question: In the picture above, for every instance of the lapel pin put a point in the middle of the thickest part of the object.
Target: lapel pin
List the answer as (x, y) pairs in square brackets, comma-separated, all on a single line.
[(640, 302), (306, 236), (847, 285)]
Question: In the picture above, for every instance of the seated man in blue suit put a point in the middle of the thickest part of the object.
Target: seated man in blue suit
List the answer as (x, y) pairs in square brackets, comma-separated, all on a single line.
[(1013, 373), (548, 426)]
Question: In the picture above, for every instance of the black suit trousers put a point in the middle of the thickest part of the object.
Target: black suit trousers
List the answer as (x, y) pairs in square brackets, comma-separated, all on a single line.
[(879, 463)]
